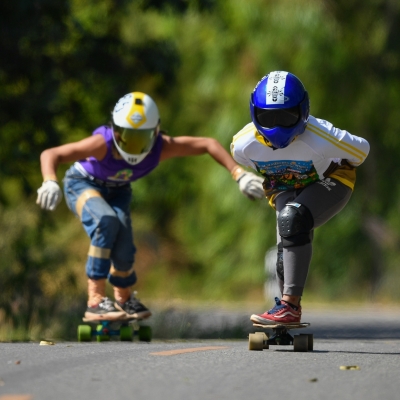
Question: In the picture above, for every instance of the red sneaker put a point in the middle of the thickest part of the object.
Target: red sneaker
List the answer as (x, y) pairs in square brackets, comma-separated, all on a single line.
[(282, 313)]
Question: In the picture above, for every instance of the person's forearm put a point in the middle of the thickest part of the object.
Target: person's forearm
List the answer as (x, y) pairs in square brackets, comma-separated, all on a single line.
[(48, 164), (219, 154), (183, 146)]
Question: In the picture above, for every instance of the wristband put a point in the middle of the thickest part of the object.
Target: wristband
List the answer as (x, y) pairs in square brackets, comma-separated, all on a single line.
[(236, 171), (52, 178)]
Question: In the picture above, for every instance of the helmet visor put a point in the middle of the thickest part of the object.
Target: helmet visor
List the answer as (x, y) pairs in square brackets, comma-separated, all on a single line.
[(285, 117), (134, 141)]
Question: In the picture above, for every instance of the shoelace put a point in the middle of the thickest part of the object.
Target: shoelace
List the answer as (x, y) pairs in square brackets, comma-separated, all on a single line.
[(134, 303), (107, 304), (133, 300), (278, 305)]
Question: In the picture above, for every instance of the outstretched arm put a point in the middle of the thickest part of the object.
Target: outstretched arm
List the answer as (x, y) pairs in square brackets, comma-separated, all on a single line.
[(181, 146), (49, 194), (94, 146)]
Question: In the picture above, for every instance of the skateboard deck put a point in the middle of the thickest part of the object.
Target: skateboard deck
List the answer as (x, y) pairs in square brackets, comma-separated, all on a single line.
[(281, 337), (283, 326), (126, 328)]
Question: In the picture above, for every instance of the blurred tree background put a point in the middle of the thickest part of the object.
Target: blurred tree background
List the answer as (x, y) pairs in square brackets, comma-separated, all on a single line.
[(64, 65)]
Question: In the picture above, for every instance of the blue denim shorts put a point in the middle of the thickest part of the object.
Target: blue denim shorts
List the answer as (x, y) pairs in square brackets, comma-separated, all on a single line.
[(106, 220)]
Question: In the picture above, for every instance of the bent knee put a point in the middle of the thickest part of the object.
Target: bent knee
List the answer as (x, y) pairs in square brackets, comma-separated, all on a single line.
[(295, 223)]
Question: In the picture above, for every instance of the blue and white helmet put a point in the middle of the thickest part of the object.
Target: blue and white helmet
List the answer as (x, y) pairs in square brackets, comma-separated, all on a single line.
[(279, 108)]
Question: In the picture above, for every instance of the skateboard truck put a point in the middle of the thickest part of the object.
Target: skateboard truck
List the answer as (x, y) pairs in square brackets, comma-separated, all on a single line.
[(281, 337)]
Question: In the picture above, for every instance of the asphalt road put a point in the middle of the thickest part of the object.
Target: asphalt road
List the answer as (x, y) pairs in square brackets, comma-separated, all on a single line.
[(215, 368)]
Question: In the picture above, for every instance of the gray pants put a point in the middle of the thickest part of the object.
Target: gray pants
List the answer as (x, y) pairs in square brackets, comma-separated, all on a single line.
[(324, 199)]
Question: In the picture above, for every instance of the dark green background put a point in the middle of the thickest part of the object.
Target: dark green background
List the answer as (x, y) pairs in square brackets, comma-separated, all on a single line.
[(64, 64)]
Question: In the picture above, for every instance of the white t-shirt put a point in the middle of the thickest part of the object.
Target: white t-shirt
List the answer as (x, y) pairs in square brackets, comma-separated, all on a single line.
[(305, 160)]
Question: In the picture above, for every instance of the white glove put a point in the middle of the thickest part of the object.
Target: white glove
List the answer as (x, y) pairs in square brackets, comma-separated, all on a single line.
[(251, 185), (49, 195)]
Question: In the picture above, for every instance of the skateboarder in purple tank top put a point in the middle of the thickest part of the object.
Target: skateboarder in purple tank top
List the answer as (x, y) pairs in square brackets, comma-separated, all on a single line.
[(97, 190)]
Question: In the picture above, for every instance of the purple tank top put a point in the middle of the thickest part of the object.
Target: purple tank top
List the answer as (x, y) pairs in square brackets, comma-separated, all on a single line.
[(113, 170)]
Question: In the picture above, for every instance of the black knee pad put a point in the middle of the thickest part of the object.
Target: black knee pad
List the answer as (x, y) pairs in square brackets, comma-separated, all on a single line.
[(295, 223), (279, 263)]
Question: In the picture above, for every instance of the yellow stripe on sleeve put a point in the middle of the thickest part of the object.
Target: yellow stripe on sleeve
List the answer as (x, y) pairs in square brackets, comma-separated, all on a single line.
[(246, 130), (354, 151)]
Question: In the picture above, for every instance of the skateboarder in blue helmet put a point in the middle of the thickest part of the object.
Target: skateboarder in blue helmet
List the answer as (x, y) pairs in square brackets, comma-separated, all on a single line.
[(97, 188), (309, 170), (280, 113)]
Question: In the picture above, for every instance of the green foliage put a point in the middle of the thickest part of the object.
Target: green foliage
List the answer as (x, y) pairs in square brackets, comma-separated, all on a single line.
[(63, 66)]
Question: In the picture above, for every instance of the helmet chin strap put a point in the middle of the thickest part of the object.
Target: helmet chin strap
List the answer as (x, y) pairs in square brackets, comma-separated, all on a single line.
[(263, 139), (269, 144)]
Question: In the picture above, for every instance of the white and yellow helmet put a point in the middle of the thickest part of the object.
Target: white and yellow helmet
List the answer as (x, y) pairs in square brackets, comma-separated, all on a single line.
[(135, 126)]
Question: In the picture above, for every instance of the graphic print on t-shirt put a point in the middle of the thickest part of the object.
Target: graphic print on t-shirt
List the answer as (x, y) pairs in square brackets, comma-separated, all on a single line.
[(123, 175), (286, 174)]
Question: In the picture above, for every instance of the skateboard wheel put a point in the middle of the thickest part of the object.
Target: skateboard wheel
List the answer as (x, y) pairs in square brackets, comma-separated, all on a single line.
[(84, 333), (126, 333), (300, 343), (256, 341), (265, 339), (145, 334), (101, 336), (310, 340)]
